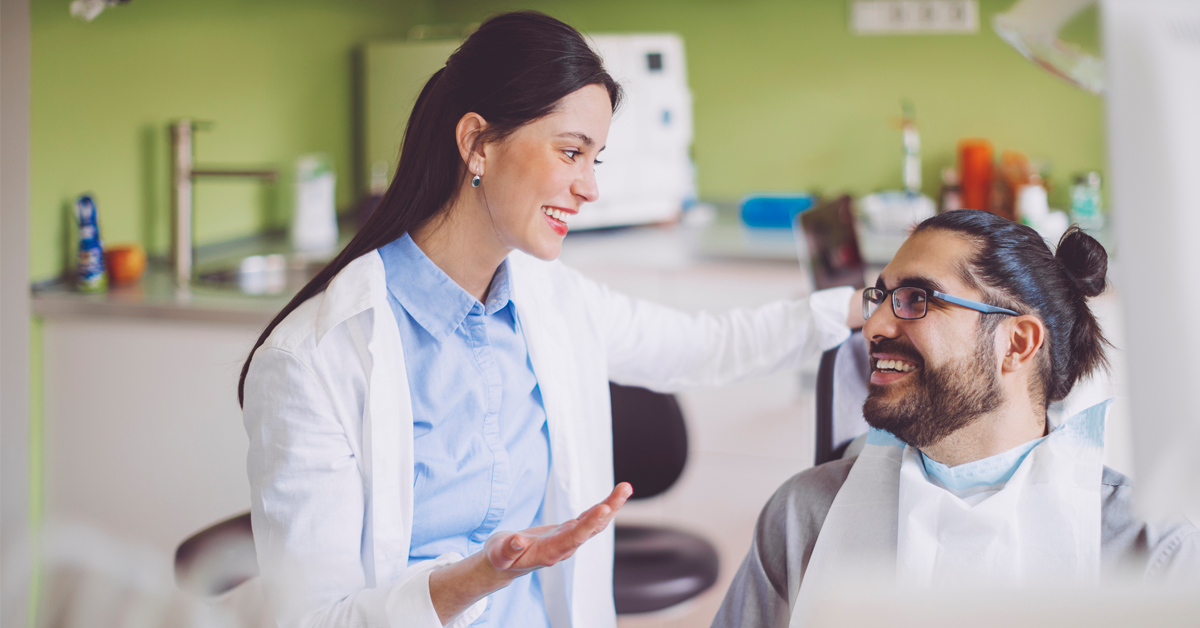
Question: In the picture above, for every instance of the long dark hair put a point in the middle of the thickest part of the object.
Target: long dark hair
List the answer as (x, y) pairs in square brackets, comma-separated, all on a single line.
[(1015, 269), (512, 71)]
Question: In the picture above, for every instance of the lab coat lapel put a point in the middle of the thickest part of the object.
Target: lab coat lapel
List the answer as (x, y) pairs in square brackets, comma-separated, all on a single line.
[(551, 364), (358, 295), (549, 369)]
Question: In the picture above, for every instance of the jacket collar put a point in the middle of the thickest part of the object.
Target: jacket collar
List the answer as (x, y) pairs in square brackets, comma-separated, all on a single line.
[(360, 286), (363, 285)]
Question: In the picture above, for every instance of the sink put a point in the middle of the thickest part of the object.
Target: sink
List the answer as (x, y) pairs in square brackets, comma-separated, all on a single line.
[(273, 275)]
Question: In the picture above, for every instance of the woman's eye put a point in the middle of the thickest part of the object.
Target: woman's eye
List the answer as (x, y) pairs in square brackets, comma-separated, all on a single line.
[(571, 154), (596, 162)]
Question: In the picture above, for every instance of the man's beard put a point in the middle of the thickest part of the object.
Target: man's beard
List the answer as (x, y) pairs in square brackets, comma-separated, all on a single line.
[(941, 401)]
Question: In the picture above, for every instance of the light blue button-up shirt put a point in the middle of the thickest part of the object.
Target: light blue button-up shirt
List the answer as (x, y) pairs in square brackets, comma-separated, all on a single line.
[(481, 445)]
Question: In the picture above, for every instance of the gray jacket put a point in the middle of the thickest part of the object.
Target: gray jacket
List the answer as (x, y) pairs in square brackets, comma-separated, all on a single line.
[(787, 531)]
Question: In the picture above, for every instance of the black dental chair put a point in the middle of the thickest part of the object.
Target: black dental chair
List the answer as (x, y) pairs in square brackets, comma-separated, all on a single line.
[(655, 567), (841, 390)]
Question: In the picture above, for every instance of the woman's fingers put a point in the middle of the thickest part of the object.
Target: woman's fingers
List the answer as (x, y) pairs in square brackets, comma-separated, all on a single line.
[(613, 503), (572, 534), (544, 546)]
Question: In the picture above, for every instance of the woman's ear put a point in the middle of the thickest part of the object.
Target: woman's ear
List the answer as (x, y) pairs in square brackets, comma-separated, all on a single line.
[(1026, 333), (467, 133)]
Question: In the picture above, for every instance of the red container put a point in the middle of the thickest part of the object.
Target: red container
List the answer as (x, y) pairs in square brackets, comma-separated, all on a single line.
[(975, 172)]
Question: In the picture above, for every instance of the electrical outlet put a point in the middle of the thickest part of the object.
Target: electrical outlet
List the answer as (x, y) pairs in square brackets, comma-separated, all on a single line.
[(914, 17)]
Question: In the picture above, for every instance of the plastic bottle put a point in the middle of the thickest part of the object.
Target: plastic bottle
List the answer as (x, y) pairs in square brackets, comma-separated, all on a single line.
[(1085, 202), (314, 221), (912, 151), (90, 275), (975, 173)]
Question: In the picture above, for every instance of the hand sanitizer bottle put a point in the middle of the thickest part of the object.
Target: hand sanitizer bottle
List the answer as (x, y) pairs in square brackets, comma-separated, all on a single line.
[(314, 222)]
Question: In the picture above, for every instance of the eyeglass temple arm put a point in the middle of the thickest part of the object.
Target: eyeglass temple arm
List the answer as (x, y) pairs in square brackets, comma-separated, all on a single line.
[(974, 305)]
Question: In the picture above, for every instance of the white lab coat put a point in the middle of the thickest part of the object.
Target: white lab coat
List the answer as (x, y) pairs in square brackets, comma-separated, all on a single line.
[(329, 416)]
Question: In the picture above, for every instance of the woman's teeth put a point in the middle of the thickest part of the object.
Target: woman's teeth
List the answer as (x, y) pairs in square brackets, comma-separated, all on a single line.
[(557, 214), (894, 365)]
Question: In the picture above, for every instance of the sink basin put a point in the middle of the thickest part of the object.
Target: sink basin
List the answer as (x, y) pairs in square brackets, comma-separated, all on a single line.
[(274, 275)]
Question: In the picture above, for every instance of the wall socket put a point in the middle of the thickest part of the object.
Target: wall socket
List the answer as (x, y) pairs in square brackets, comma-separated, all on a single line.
[(914, 17)]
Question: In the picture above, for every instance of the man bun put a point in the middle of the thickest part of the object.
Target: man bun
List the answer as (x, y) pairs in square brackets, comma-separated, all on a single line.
[(1085, 260), (1014, 268)]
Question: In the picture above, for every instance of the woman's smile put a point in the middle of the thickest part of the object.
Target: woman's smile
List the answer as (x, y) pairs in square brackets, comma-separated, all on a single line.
[(558, 217)]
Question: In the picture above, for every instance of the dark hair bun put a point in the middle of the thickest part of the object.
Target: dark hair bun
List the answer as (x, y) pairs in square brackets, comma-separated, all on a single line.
[(1084, 259)]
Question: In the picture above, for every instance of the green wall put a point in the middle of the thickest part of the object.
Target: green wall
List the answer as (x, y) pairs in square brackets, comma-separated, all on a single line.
[(274, 75), (785, 99)]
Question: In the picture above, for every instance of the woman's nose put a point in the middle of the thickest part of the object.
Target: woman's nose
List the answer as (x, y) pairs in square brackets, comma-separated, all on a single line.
[(585, 186)]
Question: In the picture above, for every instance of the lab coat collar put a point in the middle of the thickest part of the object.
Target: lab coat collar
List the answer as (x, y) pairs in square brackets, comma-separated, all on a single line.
[(352, 291)]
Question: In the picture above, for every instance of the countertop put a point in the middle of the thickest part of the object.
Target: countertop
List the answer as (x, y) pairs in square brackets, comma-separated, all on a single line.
[(701, 239)]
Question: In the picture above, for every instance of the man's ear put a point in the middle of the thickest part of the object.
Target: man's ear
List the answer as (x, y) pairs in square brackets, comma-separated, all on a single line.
[(467, 134), (1025, 335)]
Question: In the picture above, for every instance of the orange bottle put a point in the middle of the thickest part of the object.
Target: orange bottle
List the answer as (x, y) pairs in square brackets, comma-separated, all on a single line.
[(975, 173)]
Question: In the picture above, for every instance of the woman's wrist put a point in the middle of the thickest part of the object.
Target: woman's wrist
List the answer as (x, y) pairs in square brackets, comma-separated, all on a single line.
[(486, 576), (455, 587)]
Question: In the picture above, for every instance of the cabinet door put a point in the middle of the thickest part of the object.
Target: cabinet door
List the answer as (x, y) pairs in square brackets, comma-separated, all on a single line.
[(143, 433)]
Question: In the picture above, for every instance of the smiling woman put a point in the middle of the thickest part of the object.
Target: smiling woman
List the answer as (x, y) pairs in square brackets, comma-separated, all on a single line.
[(445, 381)]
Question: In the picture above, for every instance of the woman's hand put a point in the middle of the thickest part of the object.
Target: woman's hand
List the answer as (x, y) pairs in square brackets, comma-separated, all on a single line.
[(514, 554), (510, 555)]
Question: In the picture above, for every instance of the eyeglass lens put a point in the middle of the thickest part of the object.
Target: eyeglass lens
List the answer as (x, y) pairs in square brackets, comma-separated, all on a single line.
[(907, 303)]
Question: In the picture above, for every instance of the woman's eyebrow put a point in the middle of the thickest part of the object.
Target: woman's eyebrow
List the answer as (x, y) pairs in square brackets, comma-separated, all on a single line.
[(582, 137)]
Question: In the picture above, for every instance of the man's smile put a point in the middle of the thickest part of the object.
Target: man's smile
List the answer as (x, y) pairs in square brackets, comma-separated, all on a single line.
[(888, 368)]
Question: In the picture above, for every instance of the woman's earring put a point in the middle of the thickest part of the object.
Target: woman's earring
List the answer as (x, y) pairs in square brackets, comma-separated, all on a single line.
[(475, 181)]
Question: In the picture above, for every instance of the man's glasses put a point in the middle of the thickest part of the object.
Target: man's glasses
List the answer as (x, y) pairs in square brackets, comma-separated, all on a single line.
[(910, 303)]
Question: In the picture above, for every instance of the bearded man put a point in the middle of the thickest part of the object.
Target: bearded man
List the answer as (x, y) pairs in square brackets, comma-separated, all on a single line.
[(975, 327)]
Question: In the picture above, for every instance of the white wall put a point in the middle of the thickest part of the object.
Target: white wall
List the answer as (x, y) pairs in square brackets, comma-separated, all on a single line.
[(14, 285)]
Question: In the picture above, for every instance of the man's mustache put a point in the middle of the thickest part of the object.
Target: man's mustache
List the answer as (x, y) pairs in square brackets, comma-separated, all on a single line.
[(898, 349)]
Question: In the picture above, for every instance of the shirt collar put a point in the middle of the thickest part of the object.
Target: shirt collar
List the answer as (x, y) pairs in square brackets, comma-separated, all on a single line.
[(990, 471), (429, 295)]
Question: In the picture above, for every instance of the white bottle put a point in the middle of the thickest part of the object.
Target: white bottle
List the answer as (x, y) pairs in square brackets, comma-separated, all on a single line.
[(314, 221), (912, 151)]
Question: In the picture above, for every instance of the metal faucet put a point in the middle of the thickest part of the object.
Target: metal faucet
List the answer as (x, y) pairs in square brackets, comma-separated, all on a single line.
[(183, 172)]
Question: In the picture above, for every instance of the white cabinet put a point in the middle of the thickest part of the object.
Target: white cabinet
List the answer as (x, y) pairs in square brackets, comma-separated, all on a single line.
[(143, 434)]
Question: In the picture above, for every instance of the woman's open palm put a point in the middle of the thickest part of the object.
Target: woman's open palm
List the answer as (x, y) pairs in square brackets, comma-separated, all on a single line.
[(518, 553)]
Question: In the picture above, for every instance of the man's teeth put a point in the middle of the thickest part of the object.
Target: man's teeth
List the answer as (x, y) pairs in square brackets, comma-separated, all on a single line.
[(894, 365), (557, 214)]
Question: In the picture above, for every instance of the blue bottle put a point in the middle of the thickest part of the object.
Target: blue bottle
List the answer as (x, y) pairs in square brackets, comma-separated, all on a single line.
[(90, 275)]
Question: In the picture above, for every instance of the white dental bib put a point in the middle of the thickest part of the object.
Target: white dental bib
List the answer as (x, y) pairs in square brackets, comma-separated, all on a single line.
[(1042, 526)]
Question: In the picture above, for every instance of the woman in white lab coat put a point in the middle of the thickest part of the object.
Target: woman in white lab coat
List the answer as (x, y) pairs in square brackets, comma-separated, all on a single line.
[(444, 380)]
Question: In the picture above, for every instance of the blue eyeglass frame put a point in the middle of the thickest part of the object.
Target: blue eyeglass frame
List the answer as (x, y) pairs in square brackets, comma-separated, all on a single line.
[(983, 308)]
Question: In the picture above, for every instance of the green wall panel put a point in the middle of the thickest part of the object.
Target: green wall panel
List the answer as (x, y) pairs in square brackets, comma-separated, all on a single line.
[(276, 77), (786, 98)]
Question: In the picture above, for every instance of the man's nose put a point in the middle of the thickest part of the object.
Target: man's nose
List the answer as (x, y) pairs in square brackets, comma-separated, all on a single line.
[(882, 323)]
